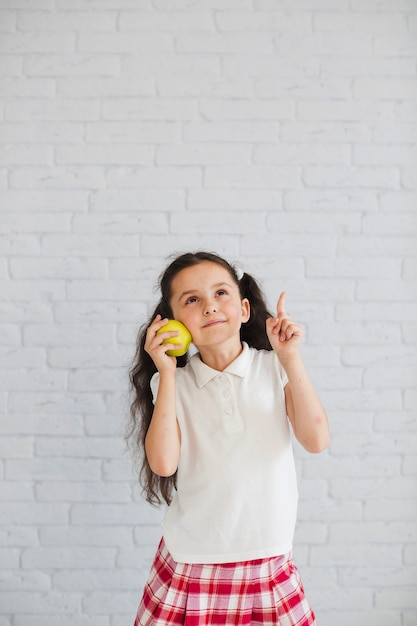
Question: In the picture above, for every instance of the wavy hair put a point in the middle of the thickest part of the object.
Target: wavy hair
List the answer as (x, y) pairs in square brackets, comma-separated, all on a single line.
[(159, 488)]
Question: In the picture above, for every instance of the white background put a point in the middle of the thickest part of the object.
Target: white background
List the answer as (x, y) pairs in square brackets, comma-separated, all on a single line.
[(281, 133)]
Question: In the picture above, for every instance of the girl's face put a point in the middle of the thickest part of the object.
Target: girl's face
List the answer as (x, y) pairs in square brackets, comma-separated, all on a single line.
[(206, 299)]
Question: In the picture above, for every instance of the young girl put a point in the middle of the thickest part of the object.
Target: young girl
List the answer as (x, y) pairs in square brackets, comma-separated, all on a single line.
[(215, 431)]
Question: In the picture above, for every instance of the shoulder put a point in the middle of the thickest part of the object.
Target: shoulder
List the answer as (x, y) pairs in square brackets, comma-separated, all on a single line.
[(266, 363), (183, 376)]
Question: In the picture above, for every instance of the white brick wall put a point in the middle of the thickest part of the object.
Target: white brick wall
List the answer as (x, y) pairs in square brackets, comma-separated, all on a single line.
[(278, 132)]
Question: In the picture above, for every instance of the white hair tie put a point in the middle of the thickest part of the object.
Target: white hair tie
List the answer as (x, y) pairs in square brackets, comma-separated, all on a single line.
[(239, 271)]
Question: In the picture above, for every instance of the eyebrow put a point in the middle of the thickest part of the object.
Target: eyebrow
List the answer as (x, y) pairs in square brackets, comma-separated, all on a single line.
[(215, 286)]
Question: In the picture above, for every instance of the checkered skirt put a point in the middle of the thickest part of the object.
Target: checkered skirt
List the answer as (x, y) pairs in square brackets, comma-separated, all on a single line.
[(264, 591)]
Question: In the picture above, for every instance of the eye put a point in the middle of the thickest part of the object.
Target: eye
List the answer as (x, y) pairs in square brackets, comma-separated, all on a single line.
[(222, 292), (191, 300)]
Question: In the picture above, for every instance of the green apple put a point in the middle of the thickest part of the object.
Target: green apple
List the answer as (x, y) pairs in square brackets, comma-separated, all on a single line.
[(183, 337)]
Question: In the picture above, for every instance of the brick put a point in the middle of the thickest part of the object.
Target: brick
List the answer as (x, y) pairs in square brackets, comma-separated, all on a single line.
[(363, 617), (203, 154), (66, 21), (301, 153), (37, 43), (352, 177), (105, 154), (11, 65), (38, 268), (91, 245), (170, 21), (393, 311), (64, 620), (109, 290), (376, 290), (217, 5), (68, 558), (41, 603), (72, 65), (299, 222), (149, 109), (330, 200), (36, 223), (401, 88), (154, 178), (372, 532), (103, 4), (71, 178), (99, 536), (223, 43), (149, 131), (45, 200), (379, 154), (386, 246), (27, 88), (343, 555), (167, 64), (10, 335), (235, 199), (111, 514), (356, 21), (8, 22), (390, 45), (124, 43), (93, 87), (398, 599), (224, 109), (196, 222), (232, 131), (27, 582), (52, 469), (46, 335), (25, 311), (16, 447), (381, 444), (351, 268), (15, 423), (106, 311), (177, 85), (13, 244), (9, 558), (34, 513), (88, 448), (367, 66), (52, 402)]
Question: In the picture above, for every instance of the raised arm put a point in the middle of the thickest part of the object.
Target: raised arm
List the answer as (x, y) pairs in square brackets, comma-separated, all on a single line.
[(304, 409), (163, 439)]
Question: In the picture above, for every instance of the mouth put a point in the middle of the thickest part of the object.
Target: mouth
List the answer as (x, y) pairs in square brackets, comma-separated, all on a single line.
[(213, 323)]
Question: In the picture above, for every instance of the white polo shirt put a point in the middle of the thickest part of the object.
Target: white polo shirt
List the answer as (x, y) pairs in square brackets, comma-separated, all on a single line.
[(237, 490)]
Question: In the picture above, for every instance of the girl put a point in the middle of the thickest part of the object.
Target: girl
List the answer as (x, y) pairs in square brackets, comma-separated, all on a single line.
[(215, 431)]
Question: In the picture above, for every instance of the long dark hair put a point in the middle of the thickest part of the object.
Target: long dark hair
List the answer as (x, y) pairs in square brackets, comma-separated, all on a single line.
[(158, 488)]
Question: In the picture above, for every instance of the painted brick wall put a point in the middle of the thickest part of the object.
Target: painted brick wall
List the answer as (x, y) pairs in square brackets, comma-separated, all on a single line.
[(281, 133)]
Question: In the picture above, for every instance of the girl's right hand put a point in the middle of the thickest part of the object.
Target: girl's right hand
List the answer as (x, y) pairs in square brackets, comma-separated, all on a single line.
[(158, 350)]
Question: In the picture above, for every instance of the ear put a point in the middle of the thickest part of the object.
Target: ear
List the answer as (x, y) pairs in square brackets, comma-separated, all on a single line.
[(245, 310)]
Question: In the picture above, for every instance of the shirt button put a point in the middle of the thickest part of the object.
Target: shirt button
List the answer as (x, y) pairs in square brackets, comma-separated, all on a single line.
[(228, 411), (226, 393)]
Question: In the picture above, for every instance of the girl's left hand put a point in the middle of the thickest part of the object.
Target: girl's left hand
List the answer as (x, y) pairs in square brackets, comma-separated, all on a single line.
[(285, 335)]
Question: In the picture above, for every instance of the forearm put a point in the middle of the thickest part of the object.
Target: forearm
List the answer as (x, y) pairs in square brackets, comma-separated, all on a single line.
[(304, 409), (162, 444)]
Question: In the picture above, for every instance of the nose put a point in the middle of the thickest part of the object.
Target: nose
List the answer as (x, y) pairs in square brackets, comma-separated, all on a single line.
[(209, 308)]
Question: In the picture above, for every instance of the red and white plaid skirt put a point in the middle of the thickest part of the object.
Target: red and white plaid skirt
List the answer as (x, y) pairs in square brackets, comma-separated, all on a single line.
[(264, 591)]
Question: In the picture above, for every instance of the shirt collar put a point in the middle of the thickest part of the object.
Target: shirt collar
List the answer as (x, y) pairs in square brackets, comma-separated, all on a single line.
[(204, 374)]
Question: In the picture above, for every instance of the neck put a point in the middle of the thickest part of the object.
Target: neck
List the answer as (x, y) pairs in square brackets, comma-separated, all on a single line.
[(219, 359)]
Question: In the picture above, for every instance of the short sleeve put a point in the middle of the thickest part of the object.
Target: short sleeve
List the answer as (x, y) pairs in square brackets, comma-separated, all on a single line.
[(154, 384), (282, 372)]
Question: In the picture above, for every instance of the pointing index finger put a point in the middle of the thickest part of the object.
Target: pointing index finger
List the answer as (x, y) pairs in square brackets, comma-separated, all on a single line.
[(281, 304)]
